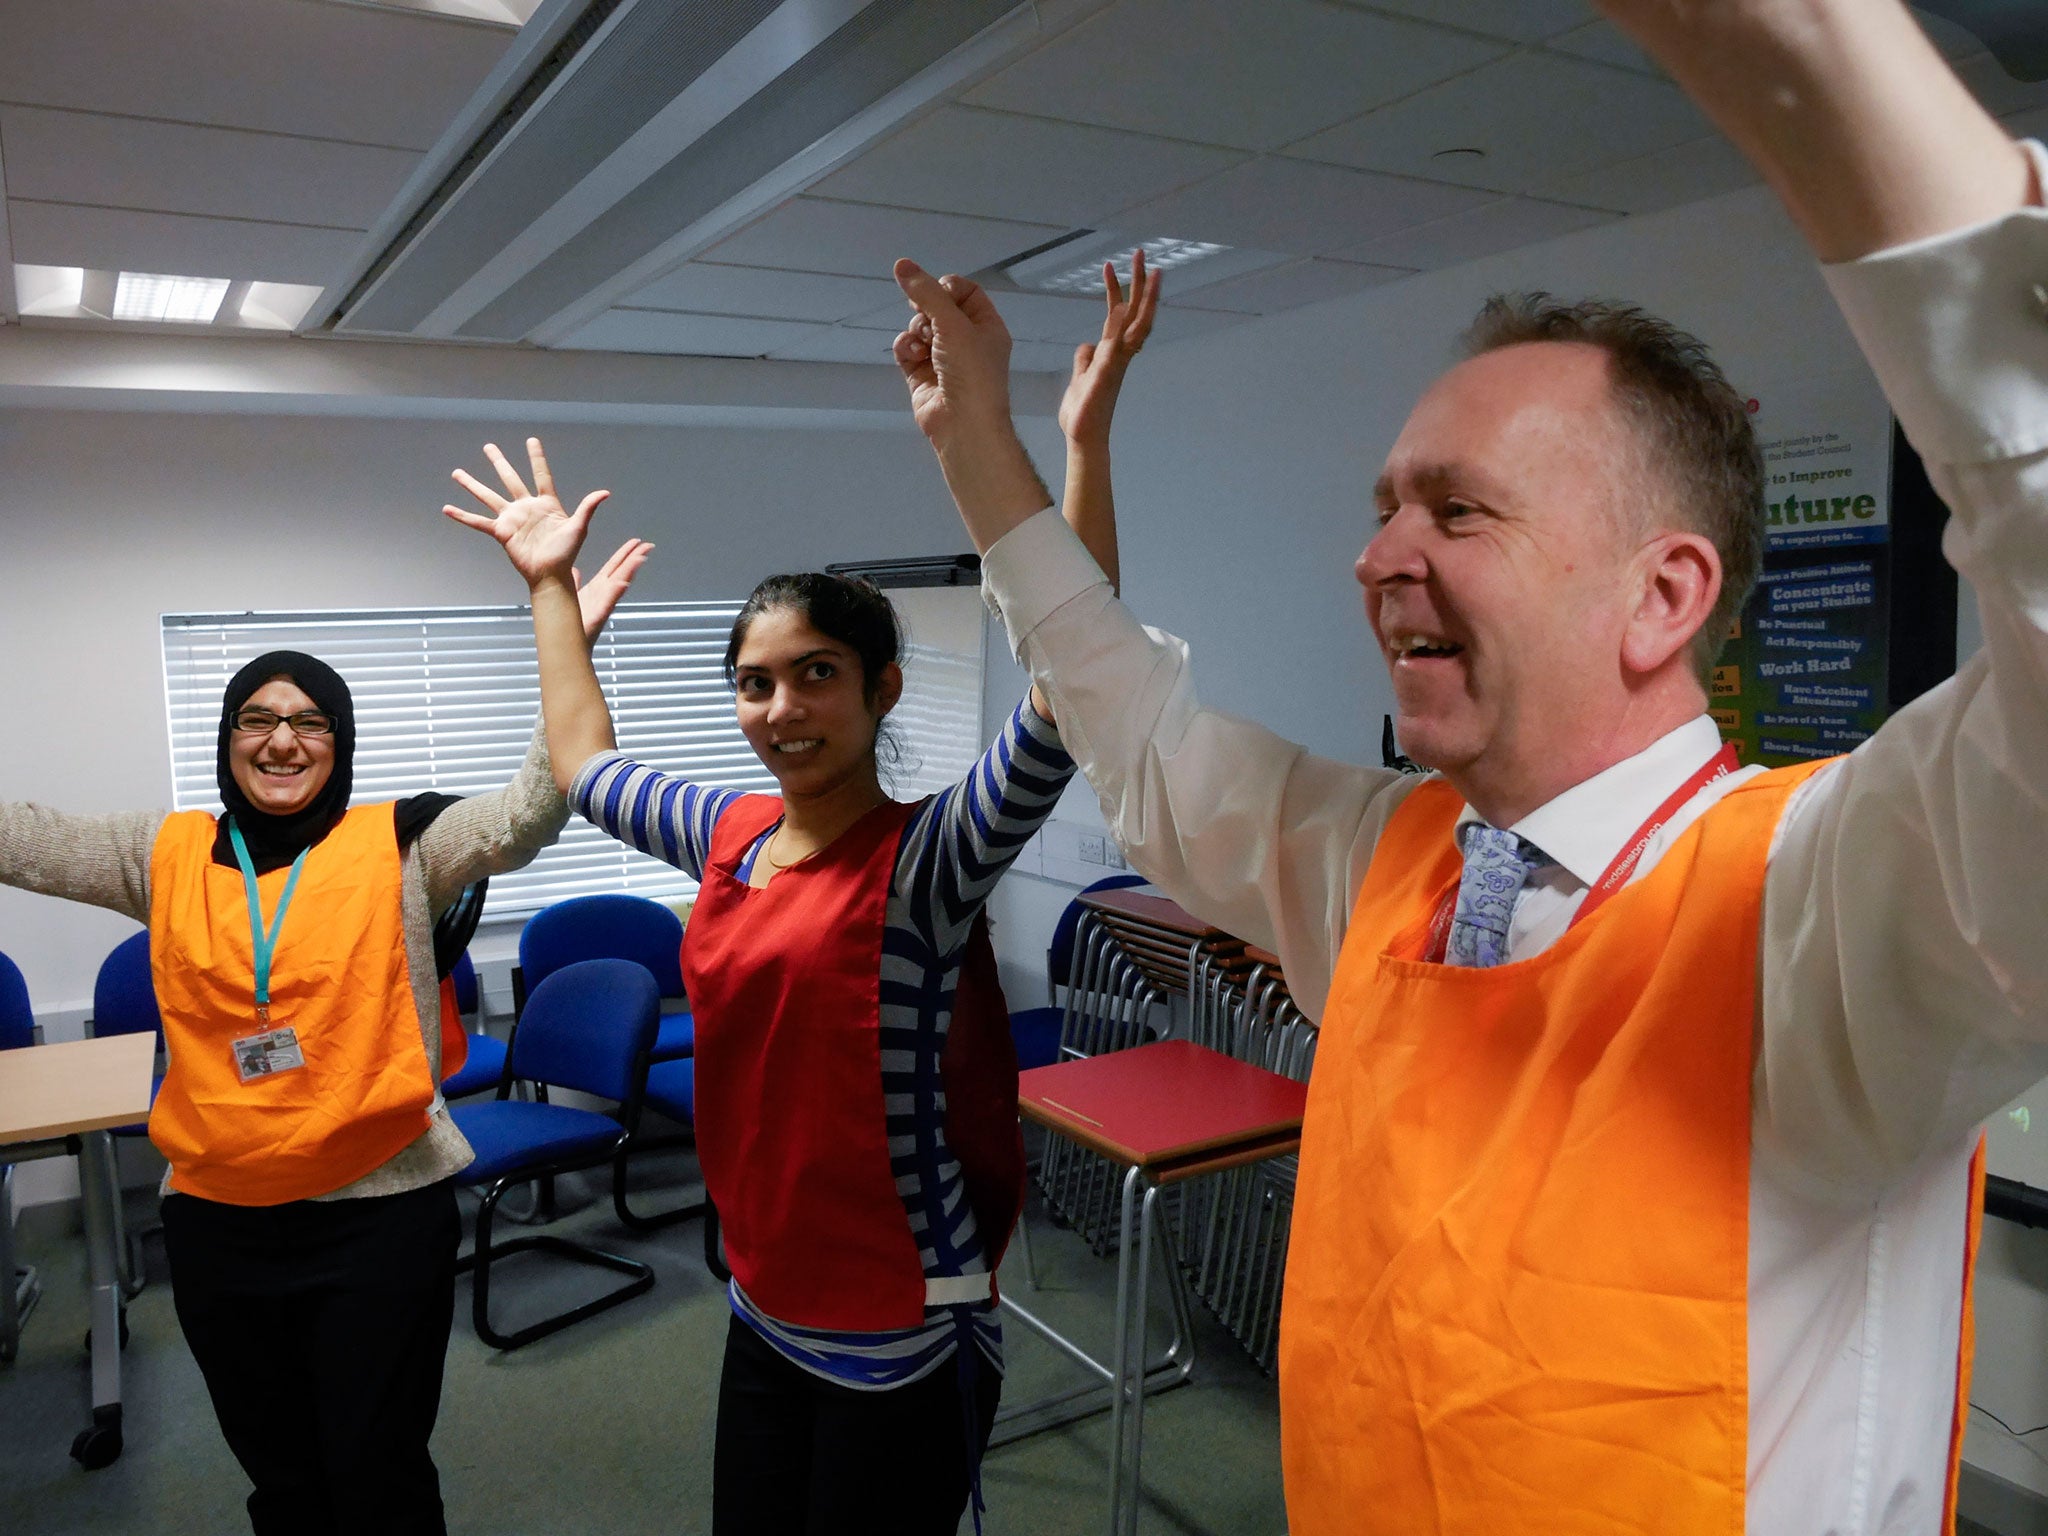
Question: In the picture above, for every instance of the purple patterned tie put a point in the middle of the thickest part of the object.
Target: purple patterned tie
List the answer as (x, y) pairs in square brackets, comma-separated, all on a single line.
[(1497, 865)]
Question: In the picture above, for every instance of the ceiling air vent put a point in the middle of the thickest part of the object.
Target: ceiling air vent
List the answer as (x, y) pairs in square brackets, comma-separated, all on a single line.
[(648, 130)]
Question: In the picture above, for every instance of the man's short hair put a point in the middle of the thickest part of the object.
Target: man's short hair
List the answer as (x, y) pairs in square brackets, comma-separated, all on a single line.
[(1692, 425)]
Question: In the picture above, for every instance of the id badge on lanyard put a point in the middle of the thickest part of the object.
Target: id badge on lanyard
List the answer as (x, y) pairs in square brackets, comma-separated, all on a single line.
[(274, 1048)]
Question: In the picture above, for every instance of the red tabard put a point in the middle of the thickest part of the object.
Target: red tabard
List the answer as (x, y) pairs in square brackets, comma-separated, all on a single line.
[(784, 982)]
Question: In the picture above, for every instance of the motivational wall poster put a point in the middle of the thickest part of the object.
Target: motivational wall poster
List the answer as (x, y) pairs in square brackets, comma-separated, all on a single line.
[(1804, 673)]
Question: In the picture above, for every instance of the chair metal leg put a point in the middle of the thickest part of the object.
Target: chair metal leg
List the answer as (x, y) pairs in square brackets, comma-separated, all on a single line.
[(19, 1288), (714, 1243), (649, 1221), (479, 1259)]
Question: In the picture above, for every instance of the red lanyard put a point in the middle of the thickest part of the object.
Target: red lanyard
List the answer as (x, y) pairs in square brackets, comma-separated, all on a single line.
[(1719, 766)]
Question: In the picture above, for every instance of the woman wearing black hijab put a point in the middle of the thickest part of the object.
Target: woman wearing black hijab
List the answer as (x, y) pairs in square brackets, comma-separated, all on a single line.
[(309, 1208)]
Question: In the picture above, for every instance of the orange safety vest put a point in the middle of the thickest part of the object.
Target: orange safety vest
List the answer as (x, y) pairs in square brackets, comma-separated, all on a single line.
[(1517, 1290), (341, 982)]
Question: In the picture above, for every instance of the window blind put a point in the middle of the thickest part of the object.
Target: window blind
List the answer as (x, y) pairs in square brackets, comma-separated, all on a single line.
[(446, 700)]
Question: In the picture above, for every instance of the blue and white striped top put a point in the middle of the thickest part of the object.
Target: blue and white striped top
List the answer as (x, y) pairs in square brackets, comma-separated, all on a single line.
[(954, 848)]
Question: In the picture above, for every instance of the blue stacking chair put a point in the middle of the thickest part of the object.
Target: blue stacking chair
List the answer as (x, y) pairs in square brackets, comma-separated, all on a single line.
[(611, 927), (672, 1091), (1036, 1031), (587, 1027), (124, 1003), (485, 1068), (19, 1288)]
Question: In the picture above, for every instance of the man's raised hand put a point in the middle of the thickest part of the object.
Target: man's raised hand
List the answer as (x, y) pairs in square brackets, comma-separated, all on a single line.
[(955, 353), (1099, 366), (539, 538)]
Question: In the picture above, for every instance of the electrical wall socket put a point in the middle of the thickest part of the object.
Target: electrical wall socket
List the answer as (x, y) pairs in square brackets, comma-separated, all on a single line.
[(1094, 849)]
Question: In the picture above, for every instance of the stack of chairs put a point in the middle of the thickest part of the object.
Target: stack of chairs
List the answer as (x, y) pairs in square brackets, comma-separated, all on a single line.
[(1143, 967), (1231, 1230)]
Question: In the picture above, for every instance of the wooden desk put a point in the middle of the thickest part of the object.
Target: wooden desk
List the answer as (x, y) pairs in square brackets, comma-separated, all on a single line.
[(55, 1099), (1166, 1112)]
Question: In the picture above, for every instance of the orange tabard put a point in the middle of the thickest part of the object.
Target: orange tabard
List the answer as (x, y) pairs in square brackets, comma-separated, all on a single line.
[(1517, 1291), (340, 981)]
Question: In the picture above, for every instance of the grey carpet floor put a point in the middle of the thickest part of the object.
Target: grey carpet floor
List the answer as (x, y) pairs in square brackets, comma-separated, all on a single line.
[(606, 1427)]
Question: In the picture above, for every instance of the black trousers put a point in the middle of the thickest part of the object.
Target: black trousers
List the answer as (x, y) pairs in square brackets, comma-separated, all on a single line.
[(321, 1328), (801, 1456)]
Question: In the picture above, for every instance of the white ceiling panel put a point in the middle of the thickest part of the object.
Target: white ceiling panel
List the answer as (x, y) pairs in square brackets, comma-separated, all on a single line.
[(838, 344), (1706, 167), (661, 330), (1174, 323), (62, 235), (712, 289), (1521, 21), (1290, 205), (120, 162), (1001, 165), (394, 78), (1537, 117), (1290, 287), (1501, 226), (1604, 43), (810, 234), (1250, 74), (1030, 317), (1041, 357)]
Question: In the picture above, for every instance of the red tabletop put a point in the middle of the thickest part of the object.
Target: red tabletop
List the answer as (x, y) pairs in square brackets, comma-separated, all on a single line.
[(1162, 1103)]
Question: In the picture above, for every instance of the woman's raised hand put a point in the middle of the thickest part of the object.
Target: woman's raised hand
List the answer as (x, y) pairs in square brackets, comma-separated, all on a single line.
[(1099, 366), (600, 595), (539, 537)]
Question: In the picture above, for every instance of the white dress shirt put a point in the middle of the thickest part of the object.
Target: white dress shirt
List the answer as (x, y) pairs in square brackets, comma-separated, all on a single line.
[(1903, 983)]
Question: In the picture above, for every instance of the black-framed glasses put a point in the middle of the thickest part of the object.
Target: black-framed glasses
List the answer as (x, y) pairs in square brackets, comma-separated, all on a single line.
[(261, 722)]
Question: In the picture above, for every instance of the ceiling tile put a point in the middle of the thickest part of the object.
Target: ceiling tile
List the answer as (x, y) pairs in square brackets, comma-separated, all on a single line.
[(61, 235), (1030, 317), (838, 344), (661, 330), (1290, 205), (75, 157), (809, 234), (1001, 165), (1251, 74), (1041, 357), (1174, 323), (1604, 43), (1289, 287), (1501, 226), (395, 78), (1537, 116), (1685, 173), (1521, 21), (711, 289)]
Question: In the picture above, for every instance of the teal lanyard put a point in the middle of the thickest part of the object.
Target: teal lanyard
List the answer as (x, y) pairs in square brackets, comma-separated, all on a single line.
[(263, 941)]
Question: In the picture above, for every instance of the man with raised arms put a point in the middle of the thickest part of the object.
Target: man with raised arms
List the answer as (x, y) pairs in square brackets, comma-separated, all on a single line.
[(1637, 1183)]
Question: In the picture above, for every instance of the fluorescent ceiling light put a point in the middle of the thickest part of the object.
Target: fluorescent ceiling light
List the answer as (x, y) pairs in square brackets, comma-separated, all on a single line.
[(1074, 265), (157, 296), (1162, 254), (48, 290)]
